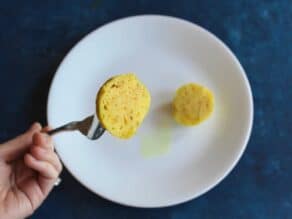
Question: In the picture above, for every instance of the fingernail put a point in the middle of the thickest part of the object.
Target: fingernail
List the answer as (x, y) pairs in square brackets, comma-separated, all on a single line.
[(35, 126)]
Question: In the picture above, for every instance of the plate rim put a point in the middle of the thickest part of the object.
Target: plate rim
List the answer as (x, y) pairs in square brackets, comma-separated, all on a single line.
[(246, 84)]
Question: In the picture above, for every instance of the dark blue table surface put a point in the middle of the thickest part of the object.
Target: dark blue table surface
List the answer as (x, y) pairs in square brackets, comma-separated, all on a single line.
[(36, 34)]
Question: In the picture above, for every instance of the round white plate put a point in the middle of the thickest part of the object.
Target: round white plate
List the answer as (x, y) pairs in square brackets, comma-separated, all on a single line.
[(165, 53)]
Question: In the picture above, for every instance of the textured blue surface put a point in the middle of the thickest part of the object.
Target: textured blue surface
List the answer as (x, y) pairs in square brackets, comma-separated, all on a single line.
[(36, 34)]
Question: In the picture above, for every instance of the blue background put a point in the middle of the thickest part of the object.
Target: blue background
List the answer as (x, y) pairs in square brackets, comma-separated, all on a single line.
[(36, 34)]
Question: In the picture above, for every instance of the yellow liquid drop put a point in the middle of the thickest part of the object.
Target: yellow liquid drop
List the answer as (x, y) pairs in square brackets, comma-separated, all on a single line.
[(156, 143)]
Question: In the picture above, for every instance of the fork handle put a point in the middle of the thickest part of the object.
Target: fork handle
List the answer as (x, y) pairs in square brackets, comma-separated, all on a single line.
[(68, 127)]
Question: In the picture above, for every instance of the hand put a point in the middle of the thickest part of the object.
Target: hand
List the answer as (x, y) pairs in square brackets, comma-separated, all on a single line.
[(29, 168)]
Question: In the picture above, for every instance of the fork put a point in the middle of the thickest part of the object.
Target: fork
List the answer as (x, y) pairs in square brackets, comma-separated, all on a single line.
[(90, 127)]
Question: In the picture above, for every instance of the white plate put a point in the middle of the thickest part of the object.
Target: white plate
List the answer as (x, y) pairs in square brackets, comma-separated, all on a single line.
[(165, 53)]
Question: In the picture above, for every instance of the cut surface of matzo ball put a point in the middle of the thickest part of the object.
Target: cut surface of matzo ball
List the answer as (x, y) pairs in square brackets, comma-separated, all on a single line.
[(122, 104)]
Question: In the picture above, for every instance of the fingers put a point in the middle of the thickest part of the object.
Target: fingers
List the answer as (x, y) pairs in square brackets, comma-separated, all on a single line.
[(45, 168), (42, 157), (14, 148), (47, 155), (43, 140)]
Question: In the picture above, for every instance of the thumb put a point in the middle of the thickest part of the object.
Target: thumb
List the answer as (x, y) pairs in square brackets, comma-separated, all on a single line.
[(14, 148)]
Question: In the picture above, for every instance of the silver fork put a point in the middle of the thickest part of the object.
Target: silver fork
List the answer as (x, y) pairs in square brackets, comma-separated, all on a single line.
[(90, 127)]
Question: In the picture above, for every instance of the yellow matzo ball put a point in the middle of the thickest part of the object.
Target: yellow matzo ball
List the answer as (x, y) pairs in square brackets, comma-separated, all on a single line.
[(121, 105), (192, 104)]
